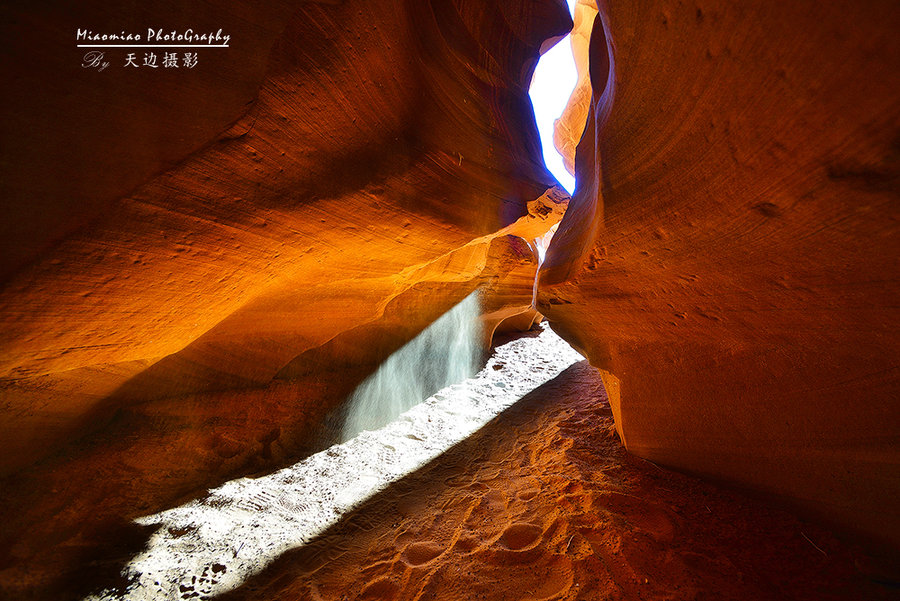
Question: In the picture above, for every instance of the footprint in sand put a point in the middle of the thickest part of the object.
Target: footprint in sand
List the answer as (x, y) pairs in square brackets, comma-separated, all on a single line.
[(521, 536), (416, 554), (467, 544), (381, 589), (644, 515), (458, 480), (529, 493)]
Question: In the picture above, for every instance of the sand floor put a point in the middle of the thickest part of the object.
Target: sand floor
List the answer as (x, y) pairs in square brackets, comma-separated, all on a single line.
[(544, 503), (541, 503), (455, 502), (211, 545)]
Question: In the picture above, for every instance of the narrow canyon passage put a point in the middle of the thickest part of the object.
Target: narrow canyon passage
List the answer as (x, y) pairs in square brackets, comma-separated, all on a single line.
[(540, 502)]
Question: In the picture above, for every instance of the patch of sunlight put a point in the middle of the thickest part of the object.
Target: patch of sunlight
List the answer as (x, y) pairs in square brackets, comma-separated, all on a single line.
[(554, 79), (214, 544)]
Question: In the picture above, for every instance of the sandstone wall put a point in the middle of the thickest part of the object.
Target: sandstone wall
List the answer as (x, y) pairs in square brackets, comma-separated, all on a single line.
[(730, 257), (202, 264)]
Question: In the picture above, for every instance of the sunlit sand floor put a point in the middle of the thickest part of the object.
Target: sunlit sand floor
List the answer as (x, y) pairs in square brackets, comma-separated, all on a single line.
[(541, 503)]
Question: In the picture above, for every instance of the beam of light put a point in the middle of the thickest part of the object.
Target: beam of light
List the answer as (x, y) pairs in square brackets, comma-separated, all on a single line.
[(444, 353), (554, 79), (214, 544)]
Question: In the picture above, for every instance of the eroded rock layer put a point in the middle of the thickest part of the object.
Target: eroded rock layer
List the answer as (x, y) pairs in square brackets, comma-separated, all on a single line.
[(353, 170), (730, 257)]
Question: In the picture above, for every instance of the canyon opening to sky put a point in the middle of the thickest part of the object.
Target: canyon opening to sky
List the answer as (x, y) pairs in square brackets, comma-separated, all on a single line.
[(554, 79)]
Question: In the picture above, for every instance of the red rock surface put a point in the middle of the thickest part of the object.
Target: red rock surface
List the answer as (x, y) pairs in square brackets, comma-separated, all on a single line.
[(204, 263), (316, 208), (730, 258)]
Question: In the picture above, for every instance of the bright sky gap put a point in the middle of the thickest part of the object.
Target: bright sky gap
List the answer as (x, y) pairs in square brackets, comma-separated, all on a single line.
[(554, 79)]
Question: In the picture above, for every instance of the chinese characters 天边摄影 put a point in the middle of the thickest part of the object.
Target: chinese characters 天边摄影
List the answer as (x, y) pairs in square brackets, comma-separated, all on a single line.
[(170, 60)]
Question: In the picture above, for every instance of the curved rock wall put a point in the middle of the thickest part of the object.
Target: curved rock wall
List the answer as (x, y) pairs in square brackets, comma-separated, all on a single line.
[(292, 226), (739, 279), (247, 241)]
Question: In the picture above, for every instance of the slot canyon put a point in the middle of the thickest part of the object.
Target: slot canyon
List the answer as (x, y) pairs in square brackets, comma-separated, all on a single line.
[(301, 313)]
